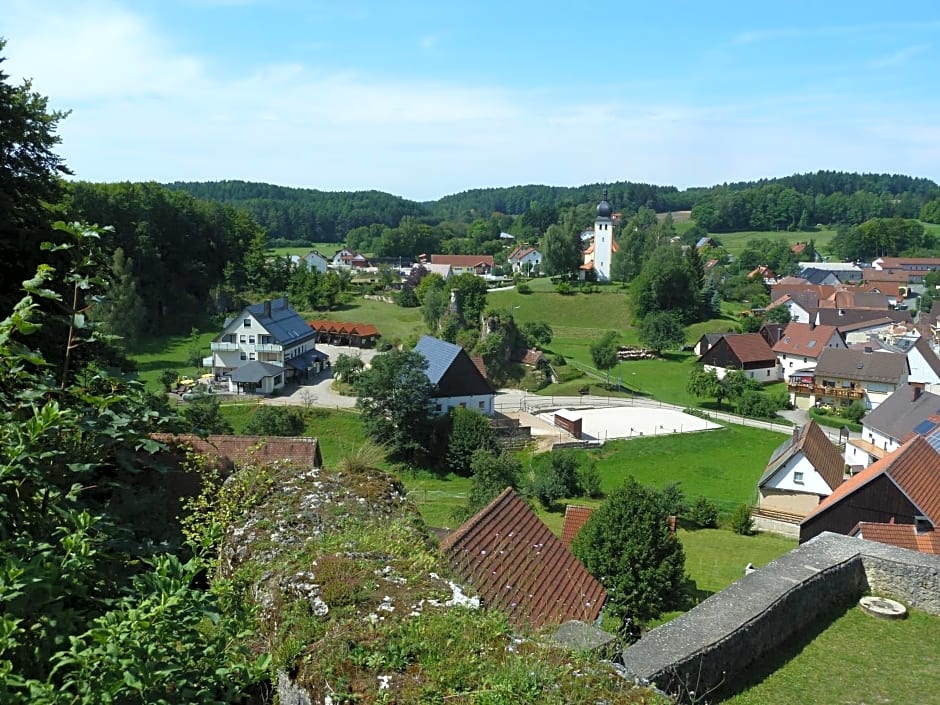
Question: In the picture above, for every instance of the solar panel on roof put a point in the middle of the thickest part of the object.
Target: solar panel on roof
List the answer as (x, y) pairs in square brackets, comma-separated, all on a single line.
[(924, 427)]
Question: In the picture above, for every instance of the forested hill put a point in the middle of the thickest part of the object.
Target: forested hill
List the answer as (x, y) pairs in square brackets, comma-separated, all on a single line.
[(826, 183), (305, 214), (515, 200)]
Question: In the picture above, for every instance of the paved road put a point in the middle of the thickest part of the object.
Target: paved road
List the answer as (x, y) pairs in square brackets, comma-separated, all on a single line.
[(317, 391)]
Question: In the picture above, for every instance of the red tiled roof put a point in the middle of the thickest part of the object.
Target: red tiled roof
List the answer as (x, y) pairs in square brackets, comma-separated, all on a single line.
[(463, 260), (361, 329), (479, 364), (914, 468), (798, 248), (895, 262), (901, 276), (800, 339), (750, 347), (241, 450), (900, 535), (518, 566), (575, 518)]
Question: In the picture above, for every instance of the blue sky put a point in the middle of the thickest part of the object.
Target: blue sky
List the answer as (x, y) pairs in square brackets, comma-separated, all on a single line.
[(423, 99)]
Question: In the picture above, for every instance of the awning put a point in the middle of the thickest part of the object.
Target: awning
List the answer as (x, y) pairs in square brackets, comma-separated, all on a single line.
[(306, 360)]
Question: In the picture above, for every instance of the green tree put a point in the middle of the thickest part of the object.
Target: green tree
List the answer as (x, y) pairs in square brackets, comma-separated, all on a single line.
[(394, 394), (604, 352), (666, 284), (492, 473), (122, 310), (779, 314), (471, 296), (561, 251), (347, 368), (661, 331), (705, 384), (168, 378), (276, 421), (469, 431), (628, 546), (536, 333), (204, 417)]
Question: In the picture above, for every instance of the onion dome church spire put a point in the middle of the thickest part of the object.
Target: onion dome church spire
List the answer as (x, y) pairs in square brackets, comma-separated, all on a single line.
[(603, 208)]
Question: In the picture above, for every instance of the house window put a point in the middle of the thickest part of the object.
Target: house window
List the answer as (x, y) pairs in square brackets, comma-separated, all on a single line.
[(463, 405), (482, 405), (798, 478), (437, 408), (251, 356), (243, 356), (768, 373), (241, 339), (277, 380), (247, 323), (251, 340)]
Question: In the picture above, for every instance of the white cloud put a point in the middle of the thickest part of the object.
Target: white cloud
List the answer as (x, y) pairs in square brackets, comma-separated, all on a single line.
[(146, 109)]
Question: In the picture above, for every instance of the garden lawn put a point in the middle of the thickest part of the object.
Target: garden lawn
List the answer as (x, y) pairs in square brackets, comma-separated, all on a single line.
[(393, 321), (327, 249), (855, 660), (723, 465), (159, 353)]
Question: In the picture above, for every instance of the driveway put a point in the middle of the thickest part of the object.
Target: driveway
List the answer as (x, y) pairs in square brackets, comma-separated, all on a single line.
[(316, 391)]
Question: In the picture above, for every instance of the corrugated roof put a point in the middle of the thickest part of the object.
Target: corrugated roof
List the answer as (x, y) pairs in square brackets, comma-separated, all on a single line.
[(440, 356), (281, 321), (818, 449), (843, 363), (575, 518), (900, 414), (518, 566), (236, 451), (915, 470)]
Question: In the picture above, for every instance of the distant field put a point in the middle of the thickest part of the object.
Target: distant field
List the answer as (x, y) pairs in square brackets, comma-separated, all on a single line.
[(856, 660), (736, 242), (393, 321), (327, 249)]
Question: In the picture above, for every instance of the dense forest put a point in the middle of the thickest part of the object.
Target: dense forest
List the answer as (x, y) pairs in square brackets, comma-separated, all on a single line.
[(306, 215)]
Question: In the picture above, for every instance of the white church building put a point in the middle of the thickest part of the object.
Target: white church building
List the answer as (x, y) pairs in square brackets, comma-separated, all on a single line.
[(599, 254)]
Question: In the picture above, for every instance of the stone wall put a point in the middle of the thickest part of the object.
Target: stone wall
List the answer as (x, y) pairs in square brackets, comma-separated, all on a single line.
[(720, 638)]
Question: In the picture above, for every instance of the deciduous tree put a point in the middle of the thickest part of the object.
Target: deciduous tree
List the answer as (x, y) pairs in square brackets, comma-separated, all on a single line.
[(661, 331)]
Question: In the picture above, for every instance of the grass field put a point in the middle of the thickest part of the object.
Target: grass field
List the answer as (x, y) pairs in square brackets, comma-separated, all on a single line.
[(327, 249), (855, 660), (736, 242), (169, 352)]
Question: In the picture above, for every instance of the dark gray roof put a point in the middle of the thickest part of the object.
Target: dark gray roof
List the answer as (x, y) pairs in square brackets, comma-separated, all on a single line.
[(931, 358), (819, 276), (899, 414), (306, 360), (440, 356), (832, 317), (255, 371), (862, 366), (281, 321)]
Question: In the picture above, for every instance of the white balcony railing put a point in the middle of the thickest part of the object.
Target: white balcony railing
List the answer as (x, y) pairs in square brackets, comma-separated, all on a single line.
[(223, 347)]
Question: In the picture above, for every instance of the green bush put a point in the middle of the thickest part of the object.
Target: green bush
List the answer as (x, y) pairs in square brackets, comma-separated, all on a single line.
[(564, 288), (704, 513), (741, 520), (559, 361), (524, 289), (853, 412)]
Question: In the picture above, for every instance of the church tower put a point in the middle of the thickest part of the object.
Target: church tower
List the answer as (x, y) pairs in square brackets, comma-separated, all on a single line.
[(604, 245)]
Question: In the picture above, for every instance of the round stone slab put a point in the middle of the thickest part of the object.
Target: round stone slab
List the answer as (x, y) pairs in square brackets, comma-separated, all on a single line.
[(882, 607)]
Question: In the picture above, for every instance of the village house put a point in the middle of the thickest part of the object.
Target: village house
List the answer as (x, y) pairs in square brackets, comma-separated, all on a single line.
[(846, 272), (263, 347), (802, 344), (705, 343), (909, 410), (803, 470), (480, 265), (801, 305), (842, 376), (348, 258), (518, 566), (458, 381), (525, 260), (742, 351), (315, 261), (903, 488)]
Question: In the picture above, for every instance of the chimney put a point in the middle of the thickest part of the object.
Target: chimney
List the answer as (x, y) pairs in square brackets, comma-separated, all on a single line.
[(917, 388), (796, 433), (267, 308), (812, 323)]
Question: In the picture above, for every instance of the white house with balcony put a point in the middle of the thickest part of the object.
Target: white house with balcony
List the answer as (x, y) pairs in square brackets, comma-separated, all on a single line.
[(263, 347)]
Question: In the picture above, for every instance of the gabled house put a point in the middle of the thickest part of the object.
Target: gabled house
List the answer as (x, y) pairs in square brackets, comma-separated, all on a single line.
[(742, 351), (901, 488), (845, 271), (262, 347), (840, 317), (479, 265), (315, 261), (348, 258), (802, 307), (913, 537), (803, 470), (525, 259), (457, 380), (444, 271), (518, 566), (884, 429), (765, 273), (801, 345), (843, 376), (862, 331), (706, 342)]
